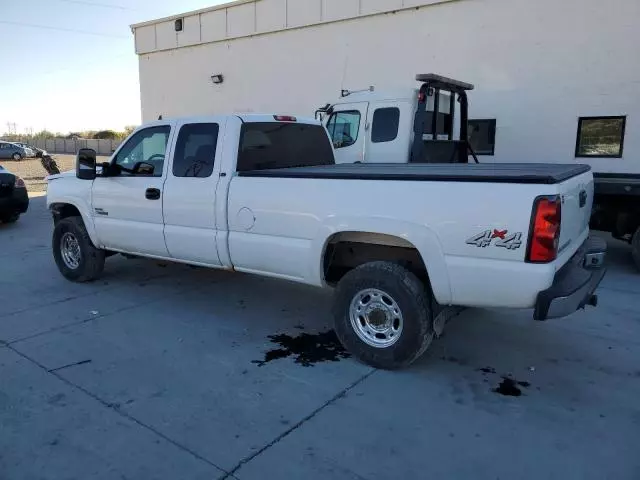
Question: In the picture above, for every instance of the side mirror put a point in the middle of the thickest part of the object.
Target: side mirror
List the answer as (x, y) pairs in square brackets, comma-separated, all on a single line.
[(86, 164)]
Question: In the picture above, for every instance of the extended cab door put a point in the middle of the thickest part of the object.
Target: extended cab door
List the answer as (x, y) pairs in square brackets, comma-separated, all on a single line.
[(391, 128), (347, 129), (190, 191), (127, 205)]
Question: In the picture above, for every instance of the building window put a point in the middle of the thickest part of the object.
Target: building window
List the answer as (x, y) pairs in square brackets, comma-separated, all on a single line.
[(482, 136), (196, 150), (386, 122), (343, 128), (600, 137)]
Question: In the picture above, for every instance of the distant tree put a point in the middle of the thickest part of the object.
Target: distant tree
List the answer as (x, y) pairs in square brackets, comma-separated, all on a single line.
[(128, 130), (106, 135), (44, 135)]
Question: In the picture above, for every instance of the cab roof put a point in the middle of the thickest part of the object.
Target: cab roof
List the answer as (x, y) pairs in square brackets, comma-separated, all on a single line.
[(245, 117), (265, 117)]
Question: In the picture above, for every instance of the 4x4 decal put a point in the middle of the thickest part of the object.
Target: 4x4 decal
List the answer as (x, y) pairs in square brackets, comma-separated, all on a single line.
[(503, 239)]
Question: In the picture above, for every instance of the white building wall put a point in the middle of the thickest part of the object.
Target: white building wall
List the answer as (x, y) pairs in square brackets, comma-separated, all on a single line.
[(537, 65)]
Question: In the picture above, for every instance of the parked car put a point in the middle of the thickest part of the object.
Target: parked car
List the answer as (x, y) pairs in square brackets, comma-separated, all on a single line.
[(37, 152), (31, 151), (16, 152), (262, 194), (14, 199)]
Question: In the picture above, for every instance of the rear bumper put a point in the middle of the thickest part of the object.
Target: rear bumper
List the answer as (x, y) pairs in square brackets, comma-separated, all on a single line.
[(574, 284), (17, 202)]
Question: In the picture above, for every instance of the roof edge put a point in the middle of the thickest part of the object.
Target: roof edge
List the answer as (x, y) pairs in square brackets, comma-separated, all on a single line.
[(222, 6)]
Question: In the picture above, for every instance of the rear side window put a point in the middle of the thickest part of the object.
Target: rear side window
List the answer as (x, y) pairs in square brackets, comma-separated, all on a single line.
[(196, 150), (386, 122), (272, 145)]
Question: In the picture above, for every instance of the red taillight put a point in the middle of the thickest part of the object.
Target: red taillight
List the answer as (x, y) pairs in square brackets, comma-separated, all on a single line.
[(545, 234), (19, 183), (285, 118)]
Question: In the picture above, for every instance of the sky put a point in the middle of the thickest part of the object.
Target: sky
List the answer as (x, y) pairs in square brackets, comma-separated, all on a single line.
[(70, 65)]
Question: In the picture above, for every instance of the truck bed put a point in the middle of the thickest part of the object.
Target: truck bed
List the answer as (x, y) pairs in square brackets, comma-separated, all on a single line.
[(532, 173)]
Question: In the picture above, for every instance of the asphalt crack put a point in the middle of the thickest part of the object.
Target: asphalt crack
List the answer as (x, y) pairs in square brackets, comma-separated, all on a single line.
[(75, 297), (91, 318), (341, 394), (74, 364), (116, 408)]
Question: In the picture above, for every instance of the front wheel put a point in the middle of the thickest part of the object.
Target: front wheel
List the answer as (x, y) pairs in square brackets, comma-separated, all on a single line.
[(383, 315), (76, 257), (17, 156)]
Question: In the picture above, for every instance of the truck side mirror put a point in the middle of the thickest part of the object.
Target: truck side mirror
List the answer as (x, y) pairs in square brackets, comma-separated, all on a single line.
[(86, 164)]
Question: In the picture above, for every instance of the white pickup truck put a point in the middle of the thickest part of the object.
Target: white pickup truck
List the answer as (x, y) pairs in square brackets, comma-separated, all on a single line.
[(262, 194)]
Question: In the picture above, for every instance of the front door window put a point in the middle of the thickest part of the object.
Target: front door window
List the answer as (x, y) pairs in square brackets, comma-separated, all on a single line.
[(344, 128), (144, 153)]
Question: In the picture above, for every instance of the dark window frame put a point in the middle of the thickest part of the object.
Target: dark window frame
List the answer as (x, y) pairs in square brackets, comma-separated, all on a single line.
[(335, 114), (178, 146), (493, 127), (373, 123), (605, 117)]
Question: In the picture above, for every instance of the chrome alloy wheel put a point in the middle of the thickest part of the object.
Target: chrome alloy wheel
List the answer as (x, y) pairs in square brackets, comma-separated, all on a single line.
[(376, 318), (70, 250)]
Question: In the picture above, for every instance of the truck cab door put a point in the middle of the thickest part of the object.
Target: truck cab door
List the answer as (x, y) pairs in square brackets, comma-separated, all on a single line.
[(127, 204), (347, 128), (190, 191), (390, 130)]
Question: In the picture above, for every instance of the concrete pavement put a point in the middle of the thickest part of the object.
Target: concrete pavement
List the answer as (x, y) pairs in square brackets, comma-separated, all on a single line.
[(149, 373)]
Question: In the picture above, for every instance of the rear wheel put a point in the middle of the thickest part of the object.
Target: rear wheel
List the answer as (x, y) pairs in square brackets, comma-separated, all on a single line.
[(17, 156), (382, 315), (635, 248), (76, 257)]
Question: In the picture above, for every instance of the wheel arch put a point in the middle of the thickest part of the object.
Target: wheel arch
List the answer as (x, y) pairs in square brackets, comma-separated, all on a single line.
[(385, 234), (69, 208)]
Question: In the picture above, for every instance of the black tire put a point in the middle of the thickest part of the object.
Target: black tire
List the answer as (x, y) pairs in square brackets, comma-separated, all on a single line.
[(10, 218), (635, 248), (17, 156), (91, 263), (413, 300)]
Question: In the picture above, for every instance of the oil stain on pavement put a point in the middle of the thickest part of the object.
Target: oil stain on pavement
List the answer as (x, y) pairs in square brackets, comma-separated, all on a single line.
[(308, 349), (510, 387)]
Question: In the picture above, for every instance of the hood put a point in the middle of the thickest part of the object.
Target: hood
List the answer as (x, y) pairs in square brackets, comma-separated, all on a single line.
[(68, 173)]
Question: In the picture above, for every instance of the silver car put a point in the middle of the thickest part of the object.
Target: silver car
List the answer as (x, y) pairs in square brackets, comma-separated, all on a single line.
[(11, 150), (31, 151)]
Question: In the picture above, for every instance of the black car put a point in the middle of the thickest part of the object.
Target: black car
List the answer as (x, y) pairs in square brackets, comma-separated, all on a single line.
[(14, 199)]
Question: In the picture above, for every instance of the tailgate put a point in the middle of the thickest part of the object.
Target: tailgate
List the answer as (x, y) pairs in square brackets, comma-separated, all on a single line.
[(577, 200)]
